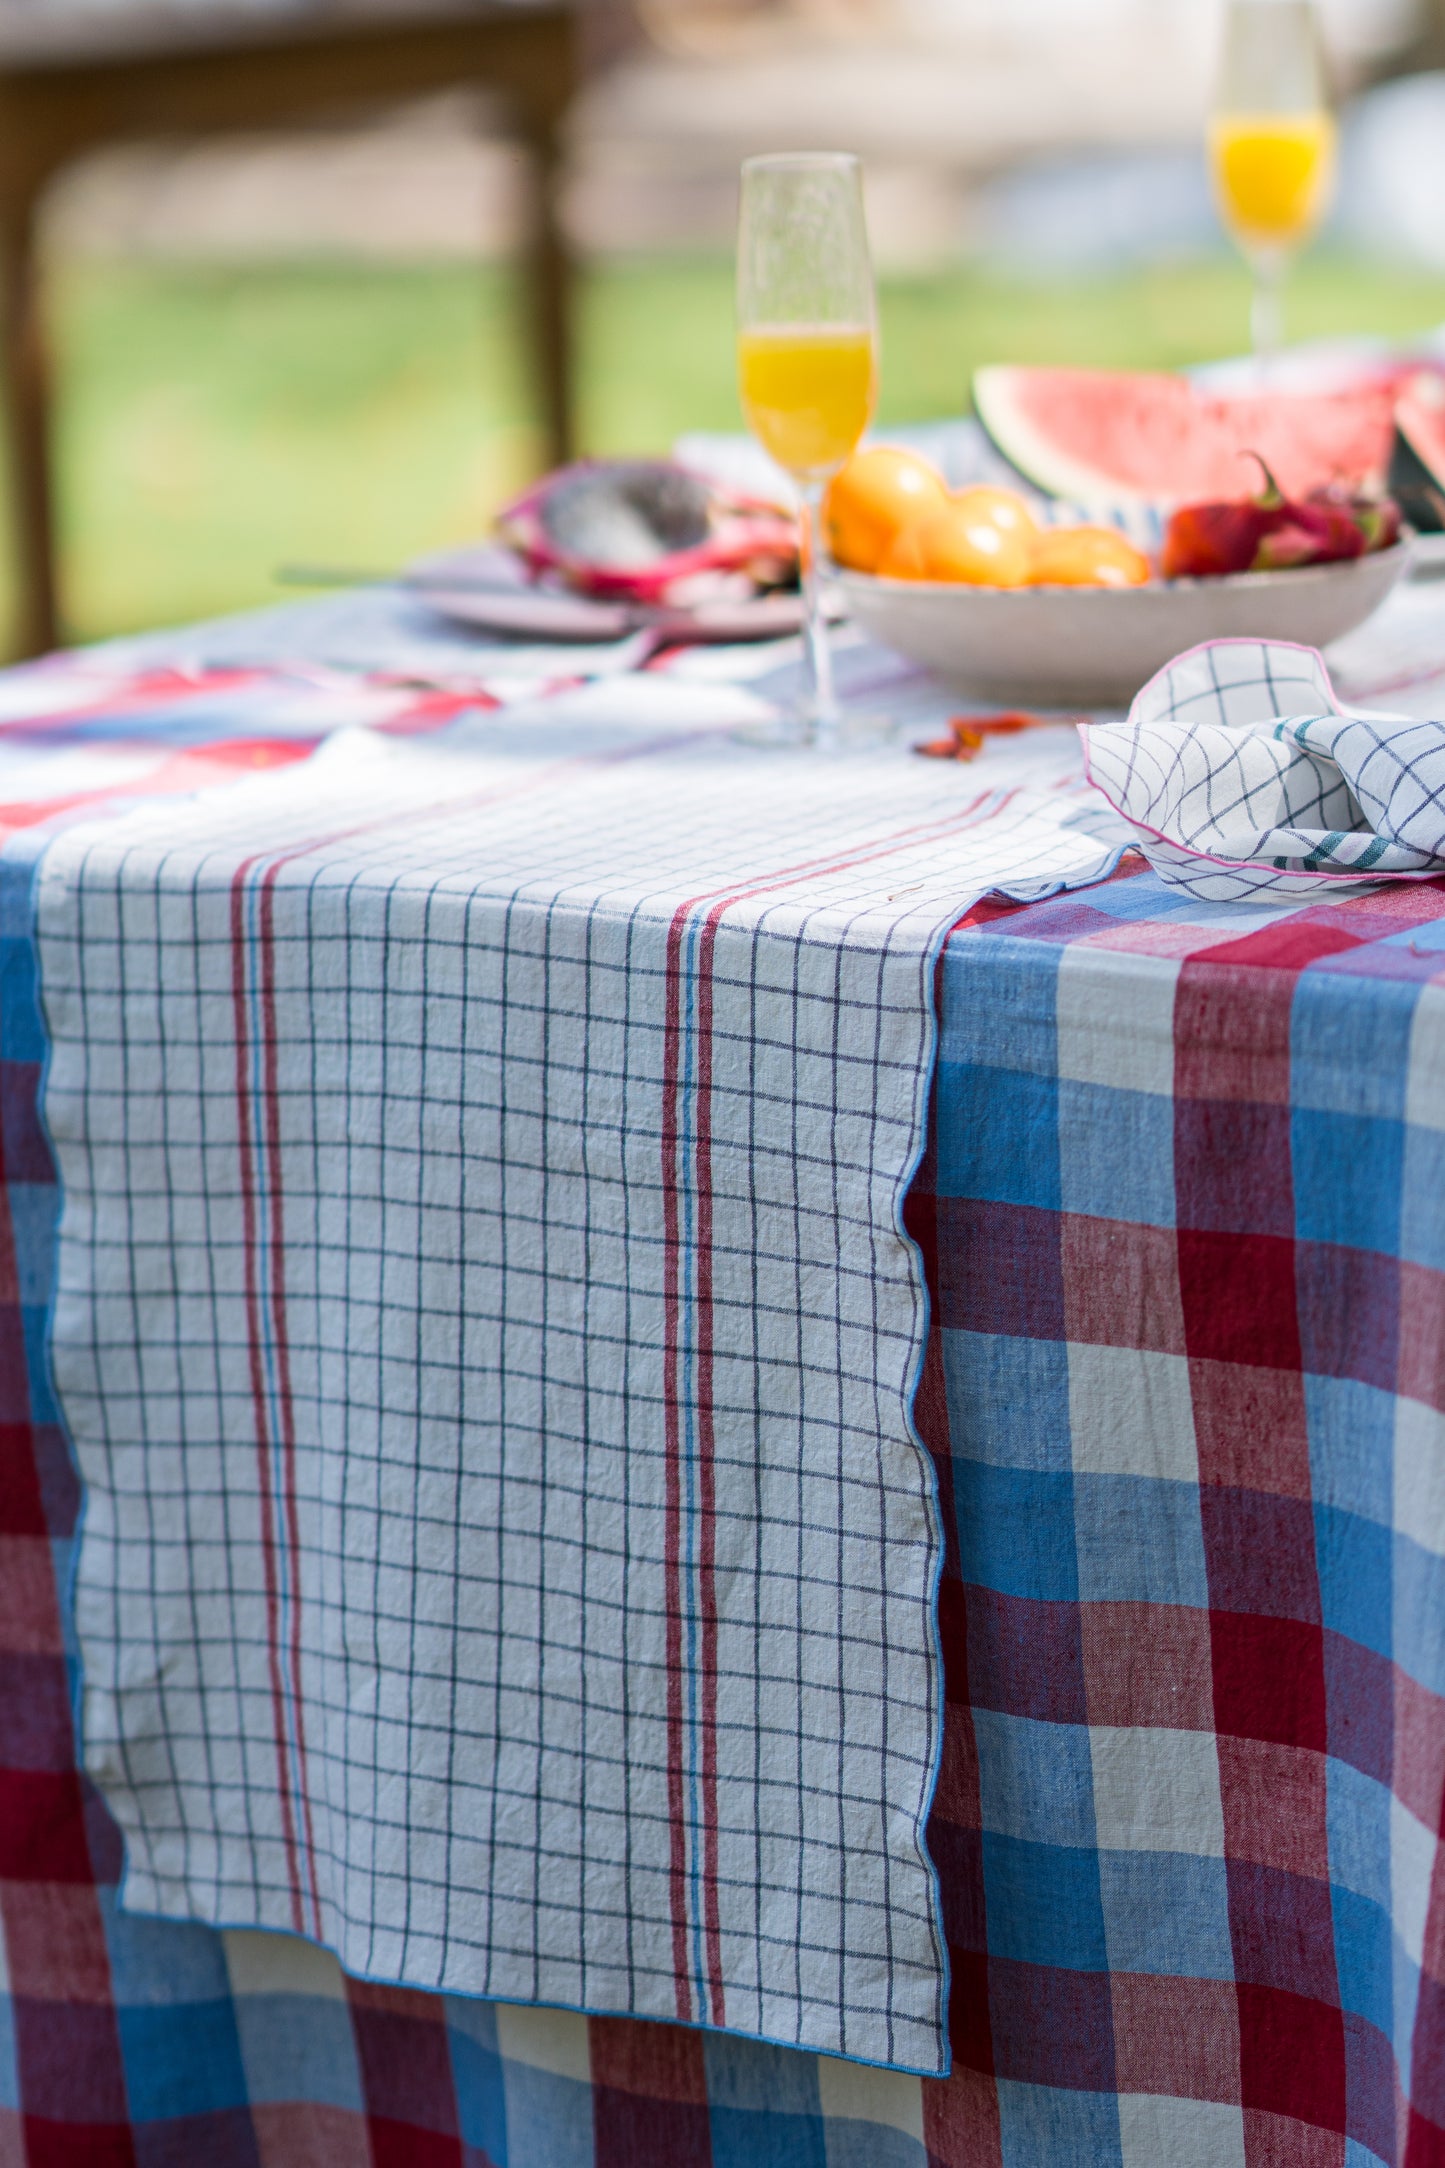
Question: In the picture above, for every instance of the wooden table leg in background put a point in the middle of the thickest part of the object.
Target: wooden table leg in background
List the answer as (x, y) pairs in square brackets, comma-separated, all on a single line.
[(550, 300), (54, 113), (25, 396), (24, 404)]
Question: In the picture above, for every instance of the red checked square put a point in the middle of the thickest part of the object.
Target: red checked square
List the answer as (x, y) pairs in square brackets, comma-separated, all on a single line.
[(1120, 1284), (654, 2062), (1292, 2056), (1274, 1806), (1240, 1304), (1147, 1664), (42, 1827), (1251, 1428), (1269, 1680), (55, 1942), (1175, 2036)]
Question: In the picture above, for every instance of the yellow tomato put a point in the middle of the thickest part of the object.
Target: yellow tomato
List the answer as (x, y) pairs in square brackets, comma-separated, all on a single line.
[(1086, 557), (1003, 507), (871, 497), (954, 544)]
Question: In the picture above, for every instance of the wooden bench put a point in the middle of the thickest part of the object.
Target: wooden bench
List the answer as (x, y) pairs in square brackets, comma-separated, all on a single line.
[(75, 78)]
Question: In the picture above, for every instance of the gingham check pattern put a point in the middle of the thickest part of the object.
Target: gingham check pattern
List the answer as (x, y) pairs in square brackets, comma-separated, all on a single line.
[(488, 1341), (1244, 777)]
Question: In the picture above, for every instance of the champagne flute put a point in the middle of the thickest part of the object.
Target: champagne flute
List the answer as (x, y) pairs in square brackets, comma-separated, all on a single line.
[(807, 353), (1271, 146)]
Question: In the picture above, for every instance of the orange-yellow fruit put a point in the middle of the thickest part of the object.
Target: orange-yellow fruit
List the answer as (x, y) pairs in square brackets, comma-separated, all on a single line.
[(1004, 507), (955, 544), (872, 496), (1086, 557)]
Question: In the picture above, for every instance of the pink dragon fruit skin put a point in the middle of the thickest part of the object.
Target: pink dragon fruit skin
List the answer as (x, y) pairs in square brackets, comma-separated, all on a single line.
[(648, 531)]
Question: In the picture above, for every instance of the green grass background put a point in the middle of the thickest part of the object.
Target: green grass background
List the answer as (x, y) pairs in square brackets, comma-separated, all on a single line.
[(218, 422)]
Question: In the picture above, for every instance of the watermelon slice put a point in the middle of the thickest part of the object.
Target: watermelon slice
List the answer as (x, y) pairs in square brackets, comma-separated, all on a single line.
[(1417, 466), (1108, 437)]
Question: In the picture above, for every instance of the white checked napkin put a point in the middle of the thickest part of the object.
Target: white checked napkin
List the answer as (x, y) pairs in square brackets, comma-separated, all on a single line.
[(1243, 774)]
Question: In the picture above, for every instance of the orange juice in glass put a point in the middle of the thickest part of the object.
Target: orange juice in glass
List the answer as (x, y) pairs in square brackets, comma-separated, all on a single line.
[(807, 352), (1271, 144), (808, 392)]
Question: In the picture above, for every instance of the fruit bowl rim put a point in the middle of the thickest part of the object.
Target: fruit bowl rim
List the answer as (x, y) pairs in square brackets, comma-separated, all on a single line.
[(1397, 553)]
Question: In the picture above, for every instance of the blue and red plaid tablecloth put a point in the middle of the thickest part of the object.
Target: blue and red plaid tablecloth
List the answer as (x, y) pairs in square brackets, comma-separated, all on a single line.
[(1181, 1210)]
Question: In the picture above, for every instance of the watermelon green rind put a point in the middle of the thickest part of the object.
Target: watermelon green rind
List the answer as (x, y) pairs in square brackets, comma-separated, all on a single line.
[(1417, 465), (1116, 438)]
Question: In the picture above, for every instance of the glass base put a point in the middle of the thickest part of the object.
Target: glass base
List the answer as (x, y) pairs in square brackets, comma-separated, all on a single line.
[(838, 736)]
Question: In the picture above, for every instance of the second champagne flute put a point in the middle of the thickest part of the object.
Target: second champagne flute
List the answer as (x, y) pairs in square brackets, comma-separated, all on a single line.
[(807, 351), (1271, 144)]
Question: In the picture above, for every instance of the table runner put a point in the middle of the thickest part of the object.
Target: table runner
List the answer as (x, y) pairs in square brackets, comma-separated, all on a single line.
[(488, 1340)]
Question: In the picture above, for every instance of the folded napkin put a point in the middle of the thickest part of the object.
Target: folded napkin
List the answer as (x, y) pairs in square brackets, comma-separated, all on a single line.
[(1242, 774)]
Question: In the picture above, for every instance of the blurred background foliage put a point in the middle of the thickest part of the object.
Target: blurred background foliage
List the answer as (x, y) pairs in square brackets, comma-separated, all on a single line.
[(305, 350), (220, 421)]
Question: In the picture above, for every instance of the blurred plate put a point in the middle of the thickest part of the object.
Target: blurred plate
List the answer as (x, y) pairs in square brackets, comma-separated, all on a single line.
[(1095, 646), (543, 615), (488, 589)]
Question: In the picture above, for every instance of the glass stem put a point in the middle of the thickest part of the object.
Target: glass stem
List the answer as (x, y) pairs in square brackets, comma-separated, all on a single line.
[(823, 715), (1266, 315)]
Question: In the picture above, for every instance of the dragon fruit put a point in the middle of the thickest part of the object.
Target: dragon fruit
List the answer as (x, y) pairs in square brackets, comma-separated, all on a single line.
[(644, 530)]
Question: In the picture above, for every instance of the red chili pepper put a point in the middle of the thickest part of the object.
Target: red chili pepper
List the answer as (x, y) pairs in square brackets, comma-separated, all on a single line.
[(969, 732)]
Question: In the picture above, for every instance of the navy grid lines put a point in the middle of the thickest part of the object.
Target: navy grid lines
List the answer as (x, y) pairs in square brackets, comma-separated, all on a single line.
[(488, 1337)]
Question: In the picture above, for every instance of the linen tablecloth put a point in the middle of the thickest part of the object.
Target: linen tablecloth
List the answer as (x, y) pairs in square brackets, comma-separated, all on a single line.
[(1187, 1828)]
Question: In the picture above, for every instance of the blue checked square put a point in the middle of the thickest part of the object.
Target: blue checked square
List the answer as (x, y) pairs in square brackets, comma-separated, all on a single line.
[(765, 2107), (1357, 1816), (163, 1961), (1016, 1531), (477, 2075), (1008, 1399), (1335, 1012), (1352, 1446), (1043, 1904), (1422, 1183), (1166, 1912), (997, 1136), (1419, 1614), (1043, 2125), (1036, 1780), (181, 2058), (1353, 1557), (999, 1004), (9, 2078), (549, 2117), (299, 2047), (856, 2144), (1363, 1956), (1116, 1153), (1139, 1540), (1347, 1171)]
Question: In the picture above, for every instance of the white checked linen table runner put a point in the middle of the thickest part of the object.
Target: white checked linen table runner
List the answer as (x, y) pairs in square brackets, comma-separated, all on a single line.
[(488, 1338)]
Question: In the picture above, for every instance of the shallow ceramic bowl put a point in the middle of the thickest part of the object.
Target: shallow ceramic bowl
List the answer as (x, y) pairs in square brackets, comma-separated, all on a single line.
[(1095, 646)]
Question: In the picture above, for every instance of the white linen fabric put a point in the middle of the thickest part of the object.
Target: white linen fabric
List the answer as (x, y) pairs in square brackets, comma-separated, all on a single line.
[(1244, 776), (488, 1338)]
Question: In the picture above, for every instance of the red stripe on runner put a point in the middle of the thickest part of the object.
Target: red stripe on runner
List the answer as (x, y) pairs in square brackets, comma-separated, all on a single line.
[(671, 1402), (707, 1477), (281, 1330), (807, 870), (258, 1387)]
